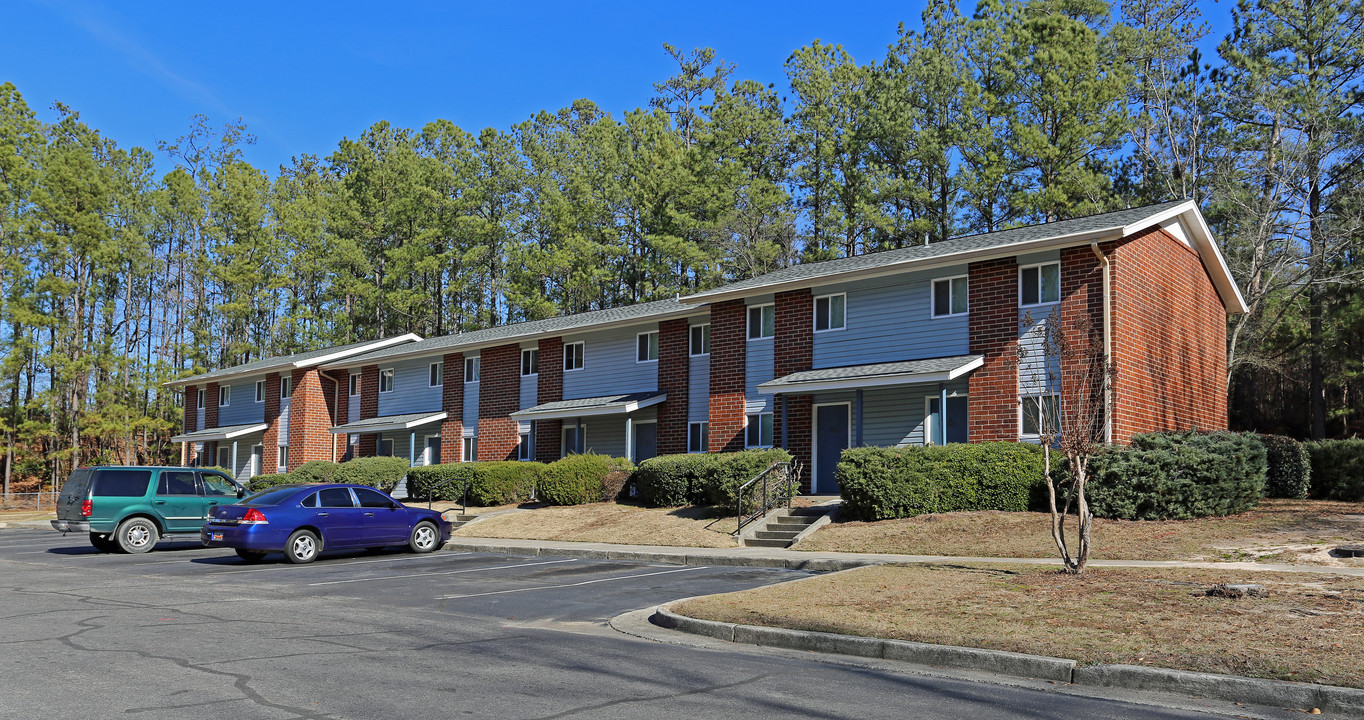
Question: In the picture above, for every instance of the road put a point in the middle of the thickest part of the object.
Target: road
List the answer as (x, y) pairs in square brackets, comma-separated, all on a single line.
[(186, 631)]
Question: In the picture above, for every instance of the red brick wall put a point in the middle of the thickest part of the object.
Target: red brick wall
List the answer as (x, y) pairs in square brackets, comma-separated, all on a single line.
[(191, 419), (549, 387), (674, 378), (499, 395), (452, 402), (1169, 324), (211, 401), (794, 351), (728, 352), (992, 405), (342, 378), (369, 407), (311, 413), (270, 444)]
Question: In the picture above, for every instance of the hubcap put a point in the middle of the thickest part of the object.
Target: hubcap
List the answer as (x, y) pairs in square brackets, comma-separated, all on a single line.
[(425, 537), (138, 535), (303, 546)]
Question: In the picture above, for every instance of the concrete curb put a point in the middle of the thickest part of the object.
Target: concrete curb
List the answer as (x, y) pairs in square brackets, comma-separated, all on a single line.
[(1275, 693), (736, 557)]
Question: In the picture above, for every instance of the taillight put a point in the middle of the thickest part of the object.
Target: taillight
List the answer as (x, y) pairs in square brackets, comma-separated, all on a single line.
[(253, 517), (86, 508)]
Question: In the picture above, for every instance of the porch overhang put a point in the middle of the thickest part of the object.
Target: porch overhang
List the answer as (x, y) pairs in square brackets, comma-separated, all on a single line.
[(388, 423), (587, 407), (853, 377), (227, 432)]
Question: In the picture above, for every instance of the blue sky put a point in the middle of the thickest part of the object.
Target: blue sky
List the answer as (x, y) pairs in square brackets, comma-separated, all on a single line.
[(302, 75)]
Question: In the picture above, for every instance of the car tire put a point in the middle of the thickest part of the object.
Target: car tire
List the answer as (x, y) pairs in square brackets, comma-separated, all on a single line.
[(302, 547), (251, 556), (136, 535), (103, 542), (425, 537)]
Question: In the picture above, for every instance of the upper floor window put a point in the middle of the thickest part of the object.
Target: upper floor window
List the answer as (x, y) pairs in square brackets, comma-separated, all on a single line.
[(759, 430), (285, 388), (646, 347), (950, 296), (260, 391), (700, 339), (573, 356), (199, 400), (762, 321), (830, 312), (471, 366), (386, 380), (355, 383), (224, 395), (530, 361), (1039, 284), (436, 374)]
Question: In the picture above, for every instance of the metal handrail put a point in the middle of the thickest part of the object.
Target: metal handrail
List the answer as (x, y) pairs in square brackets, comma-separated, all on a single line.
[(785, 488), (464, 499)]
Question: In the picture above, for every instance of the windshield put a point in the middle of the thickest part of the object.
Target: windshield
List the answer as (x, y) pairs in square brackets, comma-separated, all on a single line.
[(272, 496)]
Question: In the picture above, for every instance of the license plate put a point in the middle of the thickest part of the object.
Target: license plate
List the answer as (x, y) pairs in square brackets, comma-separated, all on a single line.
[(217, 536)]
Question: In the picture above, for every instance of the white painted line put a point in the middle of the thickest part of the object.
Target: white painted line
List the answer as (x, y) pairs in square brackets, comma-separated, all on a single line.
[(576, 584), (338, 564), (447, 572)]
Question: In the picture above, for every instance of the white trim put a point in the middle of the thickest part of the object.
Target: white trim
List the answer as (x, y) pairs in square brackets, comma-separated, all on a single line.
[(281, 457), (814, 313), (426, 449), (286, 389), (570, 413), (705, 437), (748, 322), (760, 415), (867, 382), (199, 396), (386, 427), (651, 346), (933, 297), (477, 360), (1203, 243), (324, 359), (814, 439), (532, 352), (705, 340), (1027, 436), (432, 366), (373, 347), (1038, 266), (392, 379), (580, 355), (355, 380), (217, 437), (260, 391), (224, 391)]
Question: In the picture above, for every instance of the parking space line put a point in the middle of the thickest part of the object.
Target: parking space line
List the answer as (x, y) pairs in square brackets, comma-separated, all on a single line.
[(446, 572), (340, 564), (576, 584)]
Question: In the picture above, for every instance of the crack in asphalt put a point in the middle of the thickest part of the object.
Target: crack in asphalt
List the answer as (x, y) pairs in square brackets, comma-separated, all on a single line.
[(656, 698)]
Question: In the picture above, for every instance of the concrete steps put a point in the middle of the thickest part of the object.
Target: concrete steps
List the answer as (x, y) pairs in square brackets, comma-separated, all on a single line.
[(781, 528), (460, 521)]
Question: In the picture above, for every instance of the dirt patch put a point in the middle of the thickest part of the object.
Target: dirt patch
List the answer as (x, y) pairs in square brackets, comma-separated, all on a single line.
[(610, 523), (1310, 628), (1286, 531)]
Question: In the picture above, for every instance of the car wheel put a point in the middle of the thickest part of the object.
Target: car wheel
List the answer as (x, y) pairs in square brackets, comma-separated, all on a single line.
[(425, 538), (103, 542), (302, 547), (251, 556), (136, 535)]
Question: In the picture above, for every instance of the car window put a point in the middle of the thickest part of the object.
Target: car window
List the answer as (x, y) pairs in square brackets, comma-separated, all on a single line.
[(371, 499), (121, 483), (310, 501), (273, 496), (335, 498), (215, 485), (174, 482)]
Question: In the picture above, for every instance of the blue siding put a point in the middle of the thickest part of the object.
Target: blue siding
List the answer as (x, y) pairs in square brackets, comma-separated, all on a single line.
[(284, 422), (891, 416), (606, 435), (1036, 373), (698, 389), (470, 408), (244, 408), (529, 386), (757, 369), (609, 365), (890, 319), (411, 392)]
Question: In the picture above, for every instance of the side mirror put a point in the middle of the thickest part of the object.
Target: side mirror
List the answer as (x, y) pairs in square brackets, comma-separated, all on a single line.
[(241, 492)]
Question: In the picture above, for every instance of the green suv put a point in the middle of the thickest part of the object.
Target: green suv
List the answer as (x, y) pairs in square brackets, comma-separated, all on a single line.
[(131, 508)]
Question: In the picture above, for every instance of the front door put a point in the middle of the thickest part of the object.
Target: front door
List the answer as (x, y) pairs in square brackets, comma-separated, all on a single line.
[(831, 439), (646, 441), (433, 450), (179, 501)]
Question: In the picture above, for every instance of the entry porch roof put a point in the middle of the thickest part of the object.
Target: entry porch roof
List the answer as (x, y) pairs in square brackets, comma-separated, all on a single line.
[(851, 377), (226, 432), (389, 422), (584, 407)]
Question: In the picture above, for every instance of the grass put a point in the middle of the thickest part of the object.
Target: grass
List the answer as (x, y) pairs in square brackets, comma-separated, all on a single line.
[(1290, 531), (610, 523), (1311, 628)]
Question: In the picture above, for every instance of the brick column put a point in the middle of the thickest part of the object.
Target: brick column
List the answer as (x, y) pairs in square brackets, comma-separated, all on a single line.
[(674, 378), (794, 351), (728, 353), (992, 406), (452, 402), (270, 444), (549, 388), (369, 407), (190, 423), (211, 411), (499, 395), (311, 413), (342, 412)]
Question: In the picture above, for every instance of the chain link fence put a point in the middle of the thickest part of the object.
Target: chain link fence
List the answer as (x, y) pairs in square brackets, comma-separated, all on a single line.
[(35, 501)]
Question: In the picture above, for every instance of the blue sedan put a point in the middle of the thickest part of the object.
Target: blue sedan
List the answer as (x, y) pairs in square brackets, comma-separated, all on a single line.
[(302, 520)]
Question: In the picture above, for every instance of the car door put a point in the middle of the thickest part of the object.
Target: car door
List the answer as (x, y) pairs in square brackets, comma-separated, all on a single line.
[(338, 518), (178, 501), (384, 523), (218, 490)]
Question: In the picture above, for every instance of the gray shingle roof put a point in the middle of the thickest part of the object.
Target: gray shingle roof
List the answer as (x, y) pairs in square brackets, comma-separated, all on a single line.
[(387, 421), (276, 362), (596, 405), (869, 375), (938, 250), (219, 433)]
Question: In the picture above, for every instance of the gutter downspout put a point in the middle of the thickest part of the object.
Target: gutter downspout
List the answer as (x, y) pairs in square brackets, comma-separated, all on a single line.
[(1108, 341)]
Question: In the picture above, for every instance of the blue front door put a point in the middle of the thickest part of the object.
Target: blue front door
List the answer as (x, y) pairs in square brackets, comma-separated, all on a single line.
[(831, 439)]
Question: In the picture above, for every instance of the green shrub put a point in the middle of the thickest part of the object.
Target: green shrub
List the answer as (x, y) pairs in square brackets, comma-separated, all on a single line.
[(439, 482), (500, 482), (724, 473), (1288, 472), (380, 473), (1178, 476), (264, 482), (881, 483), (1337, 469), (315, 471), (577, 479), (670, 480)]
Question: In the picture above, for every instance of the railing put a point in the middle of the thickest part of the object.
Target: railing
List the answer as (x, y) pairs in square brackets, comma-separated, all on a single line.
[(46, 500), (464, 497), (774, 487)]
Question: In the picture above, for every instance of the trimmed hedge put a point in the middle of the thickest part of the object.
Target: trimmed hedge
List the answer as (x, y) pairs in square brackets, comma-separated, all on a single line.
[(315, 471), (1337, 469), (700, 478), (578, 479), (881, 483), (490, 483), (264, 482), (1289, 468), (1178, 476), (728, 471), (381, 473)]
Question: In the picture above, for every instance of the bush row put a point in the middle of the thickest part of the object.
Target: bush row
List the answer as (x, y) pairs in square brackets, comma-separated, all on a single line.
[(1178, 475), (1337, 469), (702, 478), (880, 483), (382, 473), (488, 483)]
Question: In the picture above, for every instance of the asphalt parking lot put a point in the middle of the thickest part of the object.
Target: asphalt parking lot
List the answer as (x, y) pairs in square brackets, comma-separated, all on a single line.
[(185, 630)]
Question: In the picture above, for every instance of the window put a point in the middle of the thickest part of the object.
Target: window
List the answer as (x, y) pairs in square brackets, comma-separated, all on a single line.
[(225, 396), (1039, 284), (371, 498), (573, 356), (283, 462), (762, 321), (471, 447), (646, 347), (285, 388), (700, 339), (386, 380), (436, 374), (176, 483), (1038, 412), (698, 437), (355, 383), (525, 448), (530, 361), (829, 312), (260, 391), (950, 296), (471, 370), (759, 431), (386, 447), (215, 485), (335, 498), (199, 400)]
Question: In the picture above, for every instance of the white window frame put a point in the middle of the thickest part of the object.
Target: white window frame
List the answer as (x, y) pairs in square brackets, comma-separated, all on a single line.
[(704, 330), (525, 444), (475, 362), (533, 354), (933, 297), (762, 310), (436, 371), (224, 395), (1022, 413), (199, 399), (354, 384), (282, 459), (426, 449), (704, 426), (260, 391), (392, 376), (571, 355), (469, 448), (651, 347), (1038, 267), (749, 424), (930, 436), (814, 320), (285, 387)]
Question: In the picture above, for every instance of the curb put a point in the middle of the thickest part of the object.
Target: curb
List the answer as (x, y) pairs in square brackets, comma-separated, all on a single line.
[(681, 557), (1275, 693)]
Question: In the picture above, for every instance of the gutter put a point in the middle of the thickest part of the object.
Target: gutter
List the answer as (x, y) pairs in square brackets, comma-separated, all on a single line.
[(1108, 340)]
